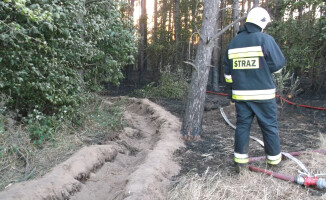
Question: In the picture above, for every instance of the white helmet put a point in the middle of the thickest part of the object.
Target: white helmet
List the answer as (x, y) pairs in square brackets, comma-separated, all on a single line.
[(259, 16)]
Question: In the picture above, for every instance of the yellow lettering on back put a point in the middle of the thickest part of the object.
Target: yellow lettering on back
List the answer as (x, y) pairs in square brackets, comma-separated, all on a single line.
[(246, 63)]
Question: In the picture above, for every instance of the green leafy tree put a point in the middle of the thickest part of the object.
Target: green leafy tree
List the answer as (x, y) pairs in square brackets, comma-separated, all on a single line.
[(53, 52)]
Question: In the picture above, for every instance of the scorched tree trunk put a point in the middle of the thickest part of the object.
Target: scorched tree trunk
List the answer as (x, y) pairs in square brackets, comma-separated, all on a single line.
[(192, 121)]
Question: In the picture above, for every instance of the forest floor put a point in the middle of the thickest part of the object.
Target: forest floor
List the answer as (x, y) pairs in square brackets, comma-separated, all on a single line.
[(148, 156)]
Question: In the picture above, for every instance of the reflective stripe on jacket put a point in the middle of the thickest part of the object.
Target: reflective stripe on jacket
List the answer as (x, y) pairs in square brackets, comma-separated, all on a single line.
[(250, 60)]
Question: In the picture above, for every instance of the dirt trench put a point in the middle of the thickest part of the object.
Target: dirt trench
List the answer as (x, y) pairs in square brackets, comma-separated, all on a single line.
[(138, 164)]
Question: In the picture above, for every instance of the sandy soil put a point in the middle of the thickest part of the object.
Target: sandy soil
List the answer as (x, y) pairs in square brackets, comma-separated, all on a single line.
[(136, 165)]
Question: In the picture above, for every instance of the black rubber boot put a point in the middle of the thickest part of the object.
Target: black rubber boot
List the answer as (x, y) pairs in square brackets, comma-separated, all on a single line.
[(274, 168), (241, 167)]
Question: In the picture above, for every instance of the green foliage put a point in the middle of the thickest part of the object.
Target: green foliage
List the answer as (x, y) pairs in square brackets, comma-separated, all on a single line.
[(170, 85), (107, 116), (302, 39), (41, 127), (285, 83), (2, 124), (53, 52), (3, 109)]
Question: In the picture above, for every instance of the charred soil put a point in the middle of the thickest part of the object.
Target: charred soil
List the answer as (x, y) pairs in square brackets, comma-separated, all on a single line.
[(300, 129)]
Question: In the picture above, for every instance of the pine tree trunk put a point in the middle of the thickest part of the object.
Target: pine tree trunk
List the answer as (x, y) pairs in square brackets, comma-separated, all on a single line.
[(132, 8), (221, 74), (193, 28), (177, 32), (143, 43), (192, 121), (235, 16), (129, 68), (155, 65), (163, 34), (277, 10), (170, 25), (249, 5), (185, 36), (256, 3), (215, 61), (243, 4), (155, 22)]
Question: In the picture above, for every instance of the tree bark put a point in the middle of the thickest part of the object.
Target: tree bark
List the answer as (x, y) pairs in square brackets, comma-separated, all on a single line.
[(192, 121), (155, 22), (170, 25), (186, 36), (243, 4), (155, 65), (132, 8), (249, 5), (221, 70), (256, 3), (235, 16), (193, 28), (143, 43), (215, 60), (163, 34), (129, 68), (177, 32), (277, 10)]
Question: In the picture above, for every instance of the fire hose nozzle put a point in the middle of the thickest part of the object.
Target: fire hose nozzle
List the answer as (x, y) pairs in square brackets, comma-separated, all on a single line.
[(311, 181), (299, 180), (321, 183)]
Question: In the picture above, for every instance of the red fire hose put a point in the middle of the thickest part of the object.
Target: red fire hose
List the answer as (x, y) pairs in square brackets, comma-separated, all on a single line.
[(300, 105), (222, 94), (320, 183), (278, 96), (271, 173)]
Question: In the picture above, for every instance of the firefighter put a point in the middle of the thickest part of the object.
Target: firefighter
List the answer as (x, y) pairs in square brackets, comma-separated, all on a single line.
[(251, 59)]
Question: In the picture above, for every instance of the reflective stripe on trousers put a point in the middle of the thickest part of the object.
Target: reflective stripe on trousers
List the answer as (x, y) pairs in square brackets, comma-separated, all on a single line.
[(266, 113), (274, 160), (241, 158)]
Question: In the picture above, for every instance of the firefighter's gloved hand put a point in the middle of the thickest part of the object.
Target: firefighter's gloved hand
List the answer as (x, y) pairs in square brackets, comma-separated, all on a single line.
[(229, 96), (229, 91)]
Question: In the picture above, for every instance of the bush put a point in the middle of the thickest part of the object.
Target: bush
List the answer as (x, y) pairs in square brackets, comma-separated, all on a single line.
[(170, 85), (304, 50), (53, 52), (286, 86)]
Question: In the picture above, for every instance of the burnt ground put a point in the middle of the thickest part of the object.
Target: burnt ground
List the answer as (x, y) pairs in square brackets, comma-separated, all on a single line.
[(299, 129)]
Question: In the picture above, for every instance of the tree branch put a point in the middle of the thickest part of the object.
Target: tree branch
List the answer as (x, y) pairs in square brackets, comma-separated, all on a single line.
[(192, 64), (227, 27)]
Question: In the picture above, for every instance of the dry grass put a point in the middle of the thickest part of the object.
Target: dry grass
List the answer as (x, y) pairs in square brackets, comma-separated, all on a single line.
[(21, 160), (322, 144), (252, 185)]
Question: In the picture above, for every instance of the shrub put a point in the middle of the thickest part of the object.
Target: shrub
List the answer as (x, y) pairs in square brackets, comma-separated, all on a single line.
[(170, 85), (52, 53)]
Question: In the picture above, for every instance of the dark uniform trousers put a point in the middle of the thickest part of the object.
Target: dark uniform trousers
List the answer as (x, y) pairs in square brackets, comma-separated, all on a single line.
[(266, 114)]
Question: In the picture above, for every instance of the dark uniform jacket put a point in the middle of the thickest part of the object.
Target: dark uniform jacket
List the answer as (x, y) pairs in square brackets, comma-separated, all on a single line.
[(252, 57)]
